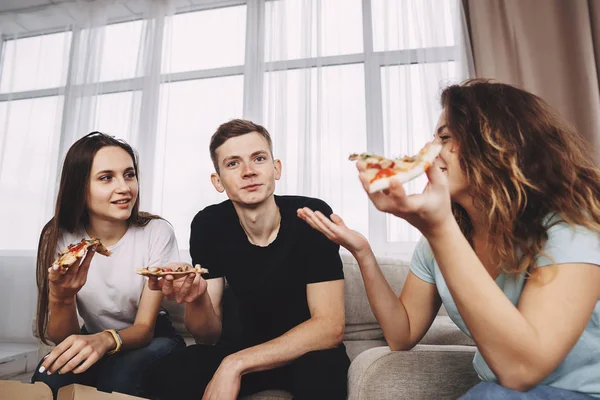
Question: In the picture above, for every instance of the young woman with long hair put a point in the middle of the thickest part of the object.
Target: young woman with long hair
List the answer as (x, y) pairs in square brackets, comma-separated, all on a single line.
[(511, 245), (124, 328)]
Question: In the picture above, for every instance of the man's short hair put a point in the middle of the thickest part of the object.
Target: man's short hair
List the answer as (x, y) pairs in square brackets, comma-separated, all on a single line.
[(235, 128)]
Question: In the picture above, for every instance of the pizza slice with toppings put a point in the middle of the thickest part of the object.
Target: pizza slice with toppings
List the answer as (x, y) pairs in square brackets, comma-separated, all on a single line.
[(74, 252), (380, 170), (176, 271)]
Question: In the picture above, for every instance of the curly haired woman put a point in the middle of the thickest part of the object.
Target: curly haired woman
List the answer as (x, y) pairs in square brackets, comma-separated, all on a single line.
[(511, 246)]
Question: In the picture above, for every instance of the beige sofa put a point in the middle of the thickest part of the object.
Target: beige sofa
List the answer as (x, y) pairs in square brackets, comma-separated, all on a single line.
[(439, 367)]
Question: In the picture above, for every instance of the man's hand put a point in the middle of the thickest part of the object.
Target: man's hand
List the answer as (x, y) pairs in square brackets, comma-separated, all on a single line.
[(226, 382), (182, 290), (77, 353)]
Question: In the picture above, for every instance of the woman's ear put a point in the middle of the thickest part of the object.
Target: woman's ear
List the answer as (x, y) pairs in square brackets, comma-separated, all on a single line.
[(216, 181)]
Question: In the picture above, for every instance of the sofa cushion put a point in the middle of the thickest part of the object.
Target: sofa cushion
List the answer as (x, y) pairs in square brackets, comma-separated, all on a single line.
[(363, 332), (423, 373), (358, 310), (355, 347), (444, 331)]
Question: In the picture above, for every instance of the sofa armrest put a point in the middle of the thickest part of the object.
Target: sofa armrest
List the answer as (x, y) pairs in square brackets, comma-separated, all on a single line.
[(425, 372)]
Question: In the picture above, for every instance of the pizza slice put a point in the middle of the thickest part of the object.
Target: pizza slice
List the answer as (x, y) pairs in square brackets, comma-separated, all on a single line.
[(74, 252), (180, 270), (380, 170)]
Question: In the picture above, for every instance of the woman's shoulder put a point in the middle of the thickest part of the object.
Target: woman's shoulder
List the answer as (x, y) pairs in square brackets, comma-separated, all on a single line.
[(569, 243), (422, 262)]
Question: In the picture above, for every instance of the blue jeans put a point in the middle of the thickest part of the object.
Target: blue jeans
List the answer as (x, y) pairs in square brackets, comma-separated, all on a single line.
[(123, 371), (490, 390)]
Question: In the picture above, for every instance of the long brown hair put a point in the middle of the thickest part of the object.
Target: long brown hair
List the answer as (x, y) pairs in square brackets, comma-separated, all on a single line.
[(71, 213), (523, 163)]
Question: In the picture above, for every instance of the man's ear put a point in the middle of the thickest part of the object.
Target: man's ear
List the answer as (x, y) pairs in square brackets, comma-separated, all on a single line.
[(278, 166), (216, 181)]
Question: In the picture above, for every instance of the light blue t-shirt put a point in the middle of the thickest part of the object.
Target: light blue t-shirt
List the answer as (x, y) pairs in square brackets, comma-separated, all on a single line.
[(580, 370)]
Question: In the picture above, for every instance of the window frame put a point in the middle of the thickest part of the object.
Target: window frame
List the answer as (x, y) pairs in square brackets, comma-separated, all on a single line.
[(253, 71)]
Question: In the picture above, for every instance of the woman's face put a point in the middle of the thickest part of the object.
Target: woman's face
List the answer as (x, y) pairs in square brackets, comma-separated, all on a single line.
[(113, 188), (448, 160)]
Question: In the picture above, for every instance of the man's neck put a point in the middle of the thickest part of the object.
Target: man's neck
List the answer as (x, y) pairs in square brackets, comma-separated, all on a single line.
[(260, 223)]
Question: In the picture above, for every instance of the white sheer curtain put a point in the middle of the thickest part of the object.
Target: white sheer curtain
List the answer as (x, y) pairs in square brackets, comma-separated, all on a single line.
[(365, 78), (326, 77)]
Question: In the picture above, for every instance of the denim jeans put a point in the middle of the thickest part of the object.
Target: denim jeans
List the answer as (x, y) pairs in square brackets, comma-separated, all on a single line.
[(123, 371), (490, 390)]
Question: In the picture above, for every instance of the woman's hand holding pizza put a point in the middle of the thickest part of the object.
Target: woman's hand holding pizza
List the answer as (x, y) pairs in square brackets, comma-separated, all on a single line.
[(186, 289), (335, 230), (427, 211), (77, 353), (66, 283)]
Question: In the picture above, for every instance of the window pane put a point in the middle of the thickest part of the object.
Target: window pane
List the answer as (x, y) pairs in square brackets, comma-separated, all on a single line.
[(410, 113), (38, 62), (190, 113), (205, 39), (29, 131), (121, 50), (117, 114), (317, 119), (410, 24), (297, 29)]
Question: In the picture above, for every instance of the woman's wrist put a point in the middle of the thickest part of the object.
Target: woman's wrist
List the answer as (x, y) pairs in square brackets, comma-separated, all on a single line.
[(109, 341), (61, 300), (443, 229)]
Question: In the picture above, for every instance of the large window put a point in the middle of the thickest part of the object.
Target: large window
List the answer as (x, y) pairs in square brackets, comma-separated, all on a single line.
[(327, 78)]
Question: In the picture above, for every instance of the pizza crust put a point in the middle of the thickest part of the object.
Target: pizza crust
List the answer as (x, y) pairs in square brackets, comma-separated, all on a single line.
[(159, 272)]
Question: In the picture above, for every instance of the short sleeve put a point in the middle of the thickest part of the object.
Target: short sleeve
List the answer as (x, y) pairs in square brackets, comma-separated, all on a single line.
[(323, 256), (202, 249), (163, 244), (570, 244), (422, 262)]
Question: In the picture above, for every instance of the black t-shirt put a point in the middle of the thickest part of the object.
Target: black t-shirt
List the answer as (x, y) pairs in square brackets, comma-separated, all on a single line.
[(269, 282)]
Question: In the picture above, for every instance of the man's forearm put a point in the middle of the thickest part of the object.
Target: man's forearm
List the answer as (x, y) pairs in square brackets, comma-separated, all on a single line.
[(62, 321), (202, 321), (315, 334)]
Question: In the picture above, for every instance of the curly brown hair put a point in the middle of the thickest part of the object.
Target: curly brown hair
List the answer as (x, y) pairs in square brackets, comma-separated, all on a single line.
[(523, 163)]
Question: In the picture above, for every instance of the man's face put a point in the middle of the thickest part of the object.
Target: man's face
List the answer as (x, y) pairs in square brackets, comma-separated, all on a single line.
[(247, 171)]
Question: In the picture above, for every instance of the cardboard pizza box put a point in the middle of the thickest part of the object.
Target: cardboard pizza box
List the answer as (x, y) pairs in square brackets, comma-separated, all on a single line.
[(82, 392), (15, 390)]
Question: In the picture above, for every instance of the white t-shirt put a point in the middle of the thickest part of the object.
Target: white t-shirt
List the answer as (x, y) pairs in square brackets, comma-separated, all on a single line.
[(111, 295)]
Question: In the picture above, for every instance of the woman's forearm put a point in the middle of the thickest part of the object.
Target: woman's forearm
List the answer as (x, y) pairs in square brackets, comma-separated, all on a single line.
[(504, 337), (62, 319), (387, 307)]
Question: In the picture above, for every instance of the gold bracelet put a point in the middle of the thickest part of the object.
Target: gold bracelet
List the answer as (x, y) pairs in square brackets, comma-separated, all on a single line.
[(118, 340)]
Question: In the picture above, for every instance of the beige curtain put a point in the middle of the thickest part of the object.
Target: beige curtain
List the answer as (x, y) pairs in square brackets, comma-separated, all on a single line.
[(548, 47)]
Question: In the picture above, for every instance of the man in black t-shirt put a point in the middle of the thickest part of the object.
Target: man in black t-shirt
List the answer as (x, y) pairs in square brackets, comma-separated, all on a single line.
[(287, 279)]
